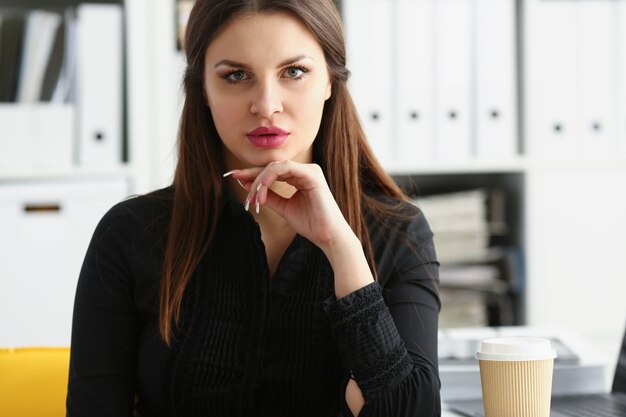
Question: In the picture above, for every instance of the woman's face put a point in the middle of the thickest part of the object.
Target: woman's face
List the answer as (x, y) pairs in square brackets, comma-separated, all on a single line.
[(266, 82)]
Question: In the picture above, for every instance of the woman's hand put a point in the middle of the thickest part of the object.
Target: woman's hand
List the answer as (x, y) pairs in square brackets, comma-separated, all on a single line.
[(311, 211)]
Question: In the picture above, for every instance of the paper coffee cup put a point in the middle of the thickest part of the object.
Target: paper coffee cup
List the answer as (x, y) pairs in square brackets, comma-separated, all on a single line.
[(516, 376)]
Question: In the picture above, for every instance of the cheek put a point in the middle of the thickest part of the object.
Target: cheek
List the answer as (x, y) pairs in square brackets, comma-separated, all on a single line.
[(225, 110), (311, 107)]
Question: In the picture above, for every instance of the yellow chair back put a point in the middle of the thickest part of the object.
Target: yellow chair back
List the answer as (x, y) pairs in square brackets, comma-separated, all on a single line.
[(33, 382)]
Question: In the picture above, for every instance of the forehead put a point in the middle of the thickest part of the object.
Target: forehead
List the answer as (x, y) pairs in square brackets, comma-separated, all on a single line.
[(264, 37)]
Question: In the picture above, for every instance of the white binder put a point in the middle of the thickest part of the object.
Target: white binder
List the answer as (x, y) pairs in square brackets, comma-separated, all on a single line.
[(597, 63), (40, 31), (551, 75), (414, 82), (453, 42), (99, 88), (370, 57), (495, 105)]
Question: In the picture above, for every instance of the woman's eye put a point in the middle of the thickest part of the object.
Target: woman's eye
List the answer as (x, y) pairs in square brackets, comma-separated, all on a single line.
[(235, 76), (295, 72)]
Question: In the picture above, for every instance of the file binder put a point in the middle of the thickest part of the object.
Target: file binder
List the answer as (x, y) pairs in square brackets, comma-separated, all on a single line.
[(597, 64), (370, 57), (552, 79), (99, 87), (41, 27), (54, 68), (495, 63), (453, 78), (65, 90), (414, 82)]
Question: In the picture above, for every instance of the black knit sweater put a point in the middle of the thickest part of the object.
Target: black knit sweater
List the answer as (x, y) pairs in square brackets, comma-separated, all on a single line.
[(249, 344)]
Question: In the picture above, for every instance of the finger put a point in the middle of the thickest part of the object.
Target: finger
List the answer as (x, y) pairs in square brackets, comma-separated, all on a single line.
[(301, 176), (247, 174), (275, 201), (259, 196), (259, 186)]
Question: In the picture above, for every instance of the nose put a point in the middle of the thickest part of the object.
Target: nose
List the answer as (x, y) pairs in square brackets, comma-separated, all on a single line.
[(266, 101)]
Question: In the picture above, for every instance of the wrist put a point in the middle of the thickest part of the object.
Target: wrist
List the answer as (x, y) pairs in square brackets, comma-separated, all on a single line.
[(349, 264)]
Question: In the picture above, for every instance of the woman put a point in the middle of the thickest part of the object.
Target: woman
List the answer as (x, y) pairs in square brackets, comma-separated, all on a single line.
[(248, 287)]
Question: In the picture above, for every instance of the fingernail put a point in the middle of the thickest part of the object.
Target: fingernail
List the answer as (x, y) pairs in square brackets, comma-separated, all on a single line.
[(257, 208), (259, 187), (247, 203), (239, 182), (230, 173)]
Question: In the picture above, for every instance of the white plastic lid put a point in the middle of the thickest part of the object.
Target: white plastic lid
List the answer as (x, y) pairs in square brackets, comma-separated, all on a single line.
[(515, 349)]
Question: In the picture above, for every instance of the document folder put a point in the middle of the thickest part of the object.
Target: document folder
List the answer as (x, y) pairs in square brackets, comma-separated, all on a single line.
[(414, 82), (496, 109), (100, 88), (369, 40), (453, 78), (597, 64)]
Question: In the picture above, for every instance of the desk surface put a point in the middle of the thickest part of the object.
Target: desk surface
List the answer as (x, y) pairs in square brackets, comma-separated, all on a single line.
[(448, 413)]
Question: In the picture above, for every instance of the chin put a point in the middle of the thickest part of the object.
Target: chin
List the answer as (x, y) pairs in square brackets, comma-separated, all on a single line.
[(265, 157)]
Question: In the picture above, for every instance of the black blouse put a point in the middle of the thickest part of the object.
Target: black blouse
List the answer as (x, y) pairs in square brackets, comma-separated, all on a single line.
[(249, 344)]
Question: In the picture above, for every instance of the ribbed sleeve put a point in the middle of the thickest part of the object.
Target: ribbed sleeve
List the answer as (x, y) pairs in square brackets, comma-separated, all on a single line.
[(386, 332), (369, 343), (372, 349)]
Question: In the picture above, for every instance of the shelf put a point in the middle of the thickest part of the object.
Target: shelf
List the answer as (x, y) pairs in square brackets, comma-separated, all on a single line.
[(122, 171), (511, 165)]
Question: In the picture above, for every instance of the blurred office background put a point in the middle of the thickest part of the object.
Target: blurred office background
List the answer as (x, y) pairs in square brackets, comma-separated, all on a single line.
[(505, 120)]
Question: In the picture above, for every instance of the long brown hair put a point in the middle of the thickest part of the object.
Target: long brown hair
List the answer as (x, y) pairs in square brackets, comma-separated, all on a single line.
[(340, 148)]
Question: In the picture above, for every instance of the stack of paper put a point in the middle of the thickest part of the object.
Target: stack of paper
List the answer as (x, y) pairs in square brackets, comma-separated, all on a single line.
[(459, 223), (462, 309)]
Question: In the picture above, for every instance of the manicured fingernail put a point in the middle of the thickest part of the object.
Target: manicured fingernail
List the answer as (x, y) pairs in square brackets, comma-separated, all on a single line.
[(230, 173), (239, 182), (257, 208), (247, 204), (259, 187)]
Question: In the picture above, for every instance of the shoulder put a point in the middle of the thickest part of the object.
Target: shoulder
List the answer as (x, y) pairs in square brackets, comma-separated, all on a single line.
[(398, 219), (136, 216), (401, 239), (141, 208)]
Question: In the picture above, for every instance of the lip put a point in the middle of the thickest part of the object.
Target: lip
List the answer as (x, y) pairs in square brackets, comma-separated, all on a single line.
[(268, 137)]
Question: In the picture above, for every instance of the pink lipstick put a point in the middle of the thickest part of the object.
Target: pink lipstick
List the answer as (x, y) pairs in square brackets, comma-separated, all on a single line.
[(267, 137)]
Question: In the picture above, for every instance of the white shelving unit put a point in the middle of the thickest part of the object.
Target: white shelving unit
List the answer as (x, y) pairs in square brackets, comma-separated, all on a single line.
[(50, 203)]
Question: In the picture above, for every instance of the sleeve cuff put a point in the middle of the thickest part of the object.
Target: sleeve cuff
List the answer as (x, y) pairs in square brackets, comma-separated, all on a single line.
[(368, 340)]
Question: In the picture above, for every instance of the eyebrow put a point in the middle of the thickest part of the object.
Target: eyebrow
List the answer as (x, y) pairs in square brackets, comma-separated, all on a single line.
[(245, 66)]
